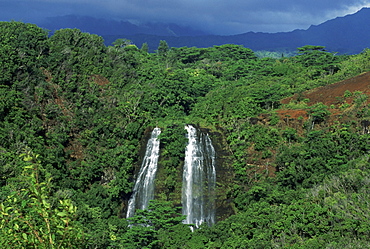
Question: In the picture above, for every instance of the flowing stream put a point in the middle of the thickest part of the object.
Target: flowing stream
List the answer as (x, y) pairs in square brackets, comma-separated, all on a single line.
[(199, 179), (143, 190)]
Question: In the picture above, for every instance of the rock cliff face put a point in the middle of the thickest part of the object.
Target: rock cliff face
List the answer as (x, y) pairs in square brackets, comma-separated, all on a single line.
[(224, 176)]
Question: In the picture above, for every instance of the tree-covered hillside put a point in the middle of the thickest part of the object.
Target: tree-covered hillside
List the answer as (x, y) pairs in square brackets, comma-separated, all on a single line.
[(75, 115)]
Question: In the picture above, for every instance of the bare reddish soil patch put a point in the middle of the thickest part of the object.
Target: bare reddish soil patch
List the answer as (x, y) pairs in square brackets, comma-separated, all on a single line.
[(48, 76), (293, 114), (329, 94), (99, 80)]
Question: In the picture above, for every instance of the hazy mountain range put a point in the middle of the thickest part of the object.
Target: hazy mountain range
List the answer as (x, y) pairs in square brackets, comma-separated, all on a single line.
[(106, 27), (349, 34)]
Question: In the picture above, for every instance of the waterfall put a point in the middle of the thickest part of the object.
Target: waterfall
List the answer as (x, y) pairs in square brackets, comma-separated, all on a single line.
[(143, 190), (199, 179)]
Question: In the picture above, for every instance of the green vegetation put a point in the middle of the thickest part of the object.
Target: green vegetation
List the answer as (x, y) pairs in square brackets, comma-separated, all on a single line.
[(29, 219), (73, 118)]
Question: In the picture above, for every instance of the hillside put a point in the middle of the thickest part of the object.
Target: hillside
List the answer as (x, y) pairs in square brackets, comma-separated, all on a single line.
[(340, 98), (328, 95), (76, 116)]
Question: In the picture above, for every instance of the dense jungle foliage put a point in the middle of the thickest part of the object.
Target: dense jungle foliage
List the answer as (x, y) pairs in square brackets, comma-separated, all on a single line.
[(74, 112)]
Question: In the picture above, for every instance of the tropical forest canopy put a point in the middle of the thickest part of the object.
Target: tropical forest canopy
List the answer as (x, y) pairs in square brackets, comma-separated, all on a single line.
[(74, 114)]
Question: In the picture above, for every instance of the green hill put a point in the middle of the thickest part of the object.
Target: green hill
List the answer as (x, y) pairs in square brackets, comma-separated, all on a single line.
[(75, 116)]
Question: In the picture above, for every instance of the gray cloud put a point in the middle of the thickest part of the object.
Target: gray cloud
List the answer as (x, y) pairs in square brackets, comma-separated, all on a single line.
[(216, 16)]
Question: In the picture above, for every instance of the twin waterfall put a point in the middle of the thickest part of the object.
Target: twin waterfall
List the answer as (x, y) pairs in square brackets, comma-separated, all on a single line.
[(199, 178)]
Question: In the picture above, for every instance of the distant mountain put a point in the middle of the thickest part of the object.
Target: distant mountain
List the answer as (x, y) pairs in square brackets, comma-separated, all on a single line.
[(347, 35), (104, 27)]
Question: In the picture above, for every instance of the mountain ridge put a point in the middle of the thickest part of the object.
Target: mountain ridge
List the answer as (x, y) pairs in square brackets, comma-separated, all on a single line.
[(349, 34), (104, 27), (346, 35)]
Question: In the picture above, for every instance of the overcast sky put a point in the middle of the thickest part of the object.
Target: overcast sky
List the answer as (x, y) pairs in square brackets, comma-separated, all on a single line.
[(214, 16)]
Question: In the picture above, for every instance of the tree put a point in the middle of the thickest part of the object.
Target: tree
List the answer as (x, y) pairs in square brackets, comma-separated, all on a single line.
[(319, 113), (30, 219), (23, 51), (121, 43), (153, 227), (319, 58), (230, 52), (145, 47), (163, 48)]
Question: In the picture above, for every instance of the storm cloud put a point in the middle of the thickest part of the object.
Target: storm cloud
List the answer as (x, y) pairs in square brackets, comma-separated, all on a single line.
[(223, 17)]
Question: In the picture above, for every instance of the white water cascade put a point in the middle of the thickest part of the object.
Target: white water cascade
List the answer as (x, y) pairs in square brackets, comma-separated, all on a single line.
[(199, 179), (143, 190)]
